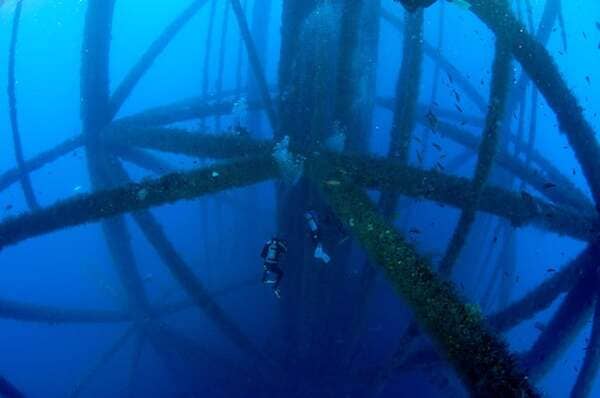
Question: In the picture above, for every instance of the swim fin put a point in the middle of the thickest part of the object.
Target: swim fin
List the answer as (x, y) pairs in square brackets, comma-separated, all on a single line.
[(321, 254)]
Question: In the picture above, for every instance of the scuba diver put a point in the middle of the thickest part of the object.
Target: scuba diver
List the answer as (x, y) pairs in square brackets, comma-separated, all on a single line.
[(314, 228), (272, 253)]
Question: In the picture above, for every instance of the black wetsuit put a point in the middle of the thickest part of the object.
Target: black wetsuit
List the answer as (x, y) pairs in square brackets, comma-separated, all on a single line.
[(272, 254)]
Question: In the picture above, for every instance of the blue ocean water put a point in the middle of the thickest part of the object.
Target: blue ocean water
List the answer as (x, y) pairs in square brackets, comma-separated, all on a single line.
[(321, 338)]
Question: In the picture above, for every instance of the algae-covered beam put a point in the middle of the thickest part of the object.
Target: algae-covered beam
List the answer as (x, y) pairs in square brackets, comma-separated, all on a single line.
[(542, 69), (30, 197), (183, 274), (222, 47), (451, 115), (171, 308), (430, 51), (403, 125), (156, 48), (187, 109), (518, 208), (405, 107), (12, 176), (591, 363), (488, 148), (143, 159), (208, 42), (194, 288), (544, 295), (101, 362), (564, 326), (96, 114), (26, 312), (255, 63), (182, 142), (36, 313), (480, 357), (132, 197), (184, 110), (545, 28), (565, 192), (188, 280)]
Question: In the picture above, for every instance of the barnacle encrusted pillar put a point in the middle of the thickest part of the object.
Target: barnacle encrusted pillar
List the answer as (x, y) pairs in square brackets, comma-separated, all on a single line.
[(136, 196), (125, 88), (221, 64), (403, 125), (102, 361), (30, 197), (407, 95), (255, 62), (542, 69), (25, 312), (480, 357), (544, 295), (591, 363), (501, 77), (96, 114), (565, 192), (188, 280), (356, 71), (564, 326)]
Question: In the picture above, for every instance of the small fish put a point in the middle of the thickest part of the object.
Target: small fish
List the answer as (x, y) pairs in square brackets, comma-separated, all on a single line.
[(437, 146), (588, 80), (458, 108), (598, 25), (215, 174), (77, 188), (420, 157), (450, 77), (333, 183), (549, 185), (551, 270), (414, 231), (8, 207), (440, 166), (456, 95), (432, 119)]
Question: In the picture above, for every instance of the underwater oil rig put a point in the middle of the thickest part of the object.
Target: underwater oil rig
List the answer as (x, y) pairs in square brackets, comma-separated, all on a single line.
[(326, 78)]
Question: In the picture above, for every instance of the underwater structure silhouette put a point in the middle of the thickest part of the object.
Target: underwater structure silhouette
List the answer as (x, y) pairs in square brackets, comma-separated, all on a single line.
[(310, 172)]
